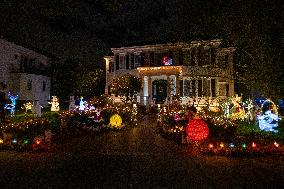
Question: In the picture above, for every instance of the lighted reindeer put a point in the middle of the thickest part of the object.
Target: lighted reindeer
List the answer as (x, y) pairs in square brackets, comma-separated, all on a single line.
[(12, 105)]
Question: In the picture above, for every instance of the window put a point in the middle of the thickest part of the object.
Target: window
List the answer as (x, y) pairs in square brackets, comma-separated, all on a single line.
[(152, 59), (227, 89), (200, 88), (213, 87), (111, 67), (116, 62), (29, 84), (180, 56), (121, 62), (127, 61), (181, 87), (192, 56), (43, 86), (132, 61), (193, 88), (137, 60)]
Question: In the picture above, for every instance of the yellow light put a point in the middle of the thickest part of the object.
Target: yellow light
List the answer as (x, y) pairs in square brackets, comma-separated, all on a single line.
[(115, 121), (1, 141), (222, 145), (276, 144)]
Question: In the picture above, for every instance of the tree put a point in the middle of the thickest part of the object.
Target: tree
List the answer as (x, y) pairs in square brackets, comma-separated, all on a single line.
[(126, 86), (77, 77)]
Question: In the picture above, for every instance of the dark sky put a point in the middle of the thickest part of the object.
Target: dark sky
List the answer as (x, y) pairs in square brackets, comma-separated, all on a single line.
[(88, 28)]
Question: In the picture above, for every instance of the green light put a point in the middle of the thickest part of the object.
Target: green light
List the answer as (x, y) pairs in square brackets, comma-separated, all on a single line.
[(244, 145), (26, 141)]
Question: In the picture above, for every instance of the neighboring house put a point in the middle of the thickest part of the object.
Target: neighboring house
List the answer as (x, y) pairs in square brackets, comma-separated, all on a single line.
[(24, 72), (200, 72)]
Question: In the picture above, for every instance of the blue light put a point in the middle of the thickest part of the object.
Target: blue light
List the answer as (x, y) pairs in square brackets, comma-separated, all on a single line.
[(14, 141), (232, 145)]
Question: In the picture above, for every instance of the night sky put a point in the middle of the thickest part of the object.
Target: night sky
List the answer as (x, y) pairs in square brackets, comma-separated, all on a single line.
[(88, 28)]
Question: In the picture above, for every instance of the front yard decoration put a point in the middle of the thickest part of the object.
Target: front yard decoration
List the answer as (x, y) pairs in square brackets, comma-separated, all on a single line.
[(72, 106), (197, 130), (12, 104), (36, 109), (229, 134), (268, 121), (54, 104), (115, 121), (27, 107)]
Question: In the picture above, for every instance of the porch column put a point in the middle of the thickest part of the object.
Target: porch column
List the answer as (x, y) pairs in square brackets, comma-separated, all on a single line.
[(107, 59), (231, 88), (177, 85), (150, 100), (168, 89), (142, 101)]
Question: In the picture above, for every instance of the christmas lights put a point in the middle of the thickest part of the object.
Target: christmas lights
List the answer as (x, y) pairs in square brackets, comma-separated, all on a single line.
[(12, 105), (197, 130)]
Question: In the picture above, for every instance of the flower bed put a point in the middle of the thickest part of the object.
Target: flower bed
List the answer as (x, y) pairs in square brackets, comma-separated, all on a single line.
[(25, 132), (226, 136)]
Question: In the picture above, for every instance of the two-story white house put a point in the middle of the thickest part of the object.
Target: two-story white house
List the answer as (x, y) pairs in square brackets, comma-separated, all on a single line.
[(24, 72), (199, 72)]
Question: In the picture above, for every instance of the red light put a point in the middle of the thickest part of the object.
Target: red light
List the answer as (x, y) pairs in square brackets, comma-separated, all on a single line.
[(37, 141), (210, 145), (197, 130), (253, 145)]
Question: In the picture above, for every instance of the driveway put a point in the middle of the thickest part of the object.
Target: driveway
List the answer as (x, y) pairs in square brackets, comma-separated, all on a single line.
[(135, 158)]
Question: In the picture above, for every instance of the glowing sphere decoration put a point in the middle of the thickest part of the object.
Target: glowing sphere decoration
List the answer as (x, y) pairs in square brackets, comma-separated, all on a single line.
[(197, 130), (115, 121)]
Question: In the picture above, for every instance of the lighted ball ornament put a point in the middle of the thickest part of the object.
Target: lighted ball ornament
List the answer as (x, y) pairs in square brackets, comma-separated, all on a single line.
[(197, 130), (115, 121)]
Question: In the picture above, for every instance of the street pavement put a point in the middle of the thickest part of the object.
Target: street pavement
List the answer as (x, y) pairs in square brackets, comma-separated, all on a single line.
[(135, 158)]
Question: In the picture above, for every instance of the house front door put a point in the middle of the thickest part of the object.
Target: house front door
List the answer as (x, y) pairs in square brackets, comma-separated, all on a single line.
[(159, 91)]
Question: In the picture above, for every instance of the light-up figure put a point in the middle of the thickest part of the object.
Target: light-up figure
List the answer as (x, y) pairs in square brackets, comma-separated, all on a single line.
[(226, 108), (268, 121), (37, 109), (28, 106), (249, 107), (72, 106), (82, 104), (54, 104), (12, 105)]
